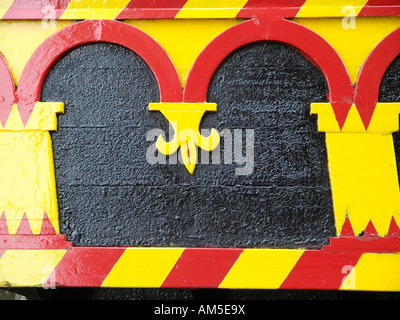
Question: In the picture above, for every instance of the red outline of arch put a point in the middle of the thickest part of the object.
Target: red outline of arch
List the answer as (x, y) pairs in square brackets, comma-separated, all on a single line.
[(7, 90), (307, 41), (90, 31), (371, 74)]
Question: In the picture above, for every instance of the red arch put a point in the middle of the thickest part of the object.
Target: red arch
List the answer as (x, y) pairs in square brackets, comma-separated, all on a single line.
[(308, 42), (7, 90), (371, 74), (89, 31)]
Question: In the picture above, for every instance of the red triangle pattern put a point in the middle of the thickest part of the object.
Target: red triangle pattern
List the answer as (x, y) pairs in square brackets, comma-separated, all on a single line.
[(24, 227), (370, 230), (47, 226), (347, 229), (394, 229), (3, 224)]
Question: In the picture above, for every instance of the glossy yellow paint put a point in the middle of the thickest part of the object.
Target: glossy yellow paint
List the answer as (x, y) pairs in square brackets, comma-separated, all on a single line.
[(185, 120), (210, 9), (183, 39), (352, 44), (19, 39), (27, 267), (142, 267), (374, 272), (27, 181), (94, 9), (329, 8), (261, 268), (362, 166)]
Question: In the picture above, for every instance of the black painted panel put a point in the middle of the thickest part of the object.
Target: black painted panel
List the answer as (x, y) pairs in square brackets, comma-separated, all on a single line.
[(390, 92), (110, 196)]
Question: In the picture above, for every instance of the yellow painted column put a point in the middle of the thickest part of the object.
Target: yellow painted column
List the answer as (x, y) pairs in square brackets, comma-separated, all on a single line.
[(27, 181), (362, 166)]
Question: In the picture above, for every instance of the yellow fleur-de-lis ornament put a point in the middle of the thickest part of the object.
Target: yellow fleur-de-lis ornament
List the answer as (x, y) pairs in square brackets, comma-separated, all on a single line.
[(185, 120)]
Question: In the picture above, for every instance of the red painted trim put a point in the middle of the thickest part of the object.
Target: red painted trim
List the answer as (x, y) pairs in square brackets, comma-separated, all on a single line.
[(201, 268), (36, 9), (24, 242), (141, 9), (7, 90), (308, 42), (380, 8), (91, 31), (372, 72), (271, 8), (320, 270), (86, 267)]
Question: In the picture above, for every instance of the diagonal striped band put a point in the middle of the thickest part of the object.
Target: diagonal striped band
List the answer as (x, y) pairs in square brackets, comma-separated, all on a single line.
[(201, 268), (142, 9)]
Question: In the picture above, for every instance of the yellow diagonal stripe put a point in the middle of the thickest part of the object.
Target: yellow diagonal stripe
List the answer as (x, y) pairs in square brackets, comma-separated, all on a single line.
[(261, 268), (375, 272), (94, 9), (4, 6), (331, 8), (142, 267), (28, 267), (211, 9)]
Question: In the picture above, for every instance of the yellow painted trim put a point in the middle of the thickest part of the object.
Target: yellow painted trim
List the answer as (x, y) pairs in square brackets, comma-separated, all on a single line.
[(375, 272), (210, 9), (261, 268), (329, 8), (43, 117), (384, 120), (142, 267), (92, 9), (20, 268)]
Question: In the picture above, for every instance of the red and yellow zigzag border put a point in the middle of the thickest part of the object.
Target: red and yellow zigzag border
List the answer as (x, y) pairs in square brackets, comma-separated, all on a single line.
[(169, 9)]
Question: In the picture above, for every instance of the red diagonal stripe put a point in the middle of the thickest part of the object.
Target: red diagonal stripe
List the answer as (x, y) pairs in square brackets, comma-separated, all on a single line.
[(201, 267), (380, 8), (284, 8), (166, 9), (36, 9), (320, 270), (85, 266)]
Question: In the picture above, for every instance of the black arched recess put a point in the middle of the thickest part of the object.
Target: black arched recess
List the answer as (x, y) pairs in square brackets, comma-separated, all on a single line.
[(389, 91), (110, 196)]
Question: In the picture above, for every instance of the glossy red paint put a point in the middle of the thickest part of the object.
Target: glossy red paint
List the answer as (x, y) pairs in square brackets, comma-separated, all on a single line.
[(36, 9), (271, 8), (34, 242), (201, 268), (320, 270), (90, 31), (371, 74), (86, 267), (394, 229), (347, 229), (142, 9), (380, 8), (308, 42)]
